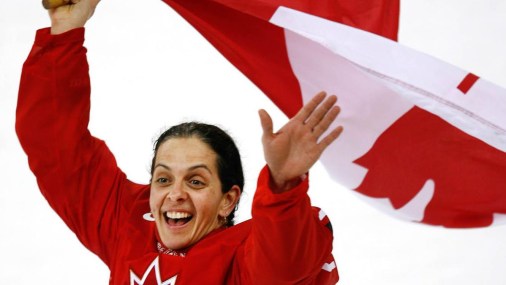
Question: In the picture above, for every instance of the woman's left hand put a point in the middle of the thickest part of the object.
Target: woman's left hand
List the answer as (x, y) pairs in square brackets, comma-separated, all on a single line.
[(296, 147)]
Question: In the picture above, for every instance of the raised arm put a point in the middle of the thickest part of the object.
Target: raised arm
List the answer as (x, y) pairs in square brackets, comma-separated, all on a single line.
[(75, 172), (291, 241)]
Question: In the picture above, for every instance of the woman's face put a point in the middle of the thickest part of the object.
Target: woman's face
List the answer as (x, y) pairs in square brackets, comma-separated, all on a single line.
[(186, 199)]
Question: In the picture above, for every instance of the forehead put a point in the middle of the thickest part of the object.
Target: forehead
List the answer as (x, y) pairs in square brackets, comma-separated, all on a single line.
[(184, 151)]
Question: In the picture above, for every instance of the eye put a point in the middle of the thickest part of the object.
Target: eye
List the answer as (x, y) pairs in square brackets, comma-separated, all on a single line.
[(162, 180), (196, 183)]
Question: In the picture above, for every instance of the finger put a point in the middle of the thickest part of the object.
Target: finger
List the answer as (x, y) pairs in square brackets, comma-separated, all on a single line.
[(266, 122), (309, 107), (327, 120), (330, 138), (320, 113), (52, 4)]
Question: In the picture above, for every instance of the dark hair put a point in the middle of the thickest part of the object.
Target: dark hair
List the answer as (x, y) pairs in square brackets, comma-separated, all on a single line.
[(228, 159)]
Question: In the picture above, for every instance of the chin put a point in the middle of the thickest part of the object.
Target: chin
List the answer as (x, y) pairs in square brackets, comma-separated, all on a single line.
[(177, 245), (175, 241)]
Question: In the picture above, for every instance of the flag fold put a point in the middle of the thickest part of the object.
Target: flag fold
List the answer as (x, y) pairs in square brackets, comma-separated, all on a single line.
[(424, 140)]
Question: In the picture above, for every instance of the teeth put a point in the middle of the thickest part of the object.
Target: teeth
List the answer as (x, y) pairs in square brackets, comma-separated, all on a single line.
[(177, 215)]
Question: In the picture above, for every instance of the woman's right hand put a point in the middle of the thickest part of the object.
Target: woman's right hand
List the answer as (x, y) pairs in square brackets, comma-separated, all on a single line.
[(295, 148), (75, 15)]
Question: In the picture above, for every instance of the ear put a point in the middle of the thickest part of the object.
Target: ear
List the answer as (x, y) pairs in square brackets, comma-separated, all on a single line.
[(229, 200)]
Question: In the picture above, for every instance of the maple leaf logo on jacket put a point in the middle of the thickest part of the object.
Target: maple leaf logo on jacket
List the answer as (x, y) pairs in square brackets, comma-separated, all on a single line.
[(151, 276)]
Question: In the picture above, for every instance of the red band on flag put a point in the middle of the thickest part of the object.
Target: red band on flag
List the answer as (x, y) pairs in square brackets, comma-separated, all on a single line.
[(467, 82)]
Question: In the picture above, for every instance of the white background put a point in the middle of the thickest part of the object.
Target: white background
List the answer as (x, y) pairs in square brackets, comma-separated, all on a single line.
[(150, 70)]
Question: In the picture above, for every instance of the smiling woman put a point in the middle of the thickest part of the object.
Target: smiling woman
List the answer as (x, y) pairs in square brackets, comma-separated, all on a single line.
[(188, 198), (228, 160), (189, 236)]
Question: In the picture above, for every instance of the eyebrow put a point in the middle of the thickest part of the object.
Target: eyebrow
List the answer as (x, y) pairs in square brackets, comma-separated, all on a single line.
[(193, 167)]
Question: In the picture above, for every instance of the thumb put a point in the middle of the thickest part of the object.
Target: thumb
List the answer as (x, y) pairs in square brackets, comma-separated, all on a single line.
[(266, 122)]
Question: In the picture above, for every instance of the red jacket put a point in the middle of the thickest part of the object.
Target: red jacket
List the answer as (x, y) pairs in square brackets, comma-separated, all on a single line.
[(286, 242)]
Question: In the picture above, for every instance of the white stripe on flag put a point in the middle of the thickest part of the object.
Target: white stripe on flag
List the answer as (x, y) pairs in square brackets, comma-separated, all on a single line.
[(425, 81), (366, 104)]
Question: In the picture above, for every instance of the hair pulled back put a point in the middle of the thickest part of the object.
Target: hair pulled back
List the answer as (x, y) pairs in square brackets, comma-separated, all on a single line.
[(228, 159)]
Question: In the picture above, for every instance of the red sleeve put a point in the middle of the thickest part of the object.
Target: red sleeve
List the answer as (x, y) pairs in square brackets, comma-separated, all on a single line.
[(291, 241), (76, 172)]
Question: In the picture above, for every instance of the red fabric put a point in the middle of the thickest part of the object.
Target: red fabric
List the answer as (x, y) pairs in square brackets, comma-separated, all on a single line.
[(241, 32), (407, 153), (255, 47), (376, 16), (467, 82), (79, 177)]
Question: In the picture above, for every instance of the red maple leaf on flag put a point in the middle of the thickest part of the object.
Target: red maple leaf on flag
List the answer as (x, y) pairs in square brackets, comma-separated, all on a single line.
[(468, 175)]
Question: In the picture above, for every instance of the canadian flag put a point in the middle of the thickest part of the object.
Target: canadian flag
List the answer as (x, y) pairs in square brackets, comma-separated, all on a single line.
[(423, 140)]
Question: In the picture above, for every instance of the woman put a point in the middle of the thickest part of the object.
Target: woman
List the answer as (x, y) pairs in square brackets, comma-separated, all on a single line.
[(179, 229)]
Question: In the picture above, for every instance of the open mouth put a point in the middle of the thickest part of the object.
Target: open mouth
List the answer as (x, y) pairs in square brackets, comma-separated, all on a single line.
[(176, 219)]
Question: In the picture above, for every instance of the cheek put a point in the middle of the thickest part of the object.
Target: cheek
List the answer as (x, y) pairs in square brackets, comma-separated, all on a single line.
[(155, 200), (207, 205)]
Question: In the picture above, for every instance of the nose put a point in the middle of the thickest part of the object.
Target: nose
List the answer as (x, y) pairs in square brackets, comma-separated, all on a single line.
[(177, 193)]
